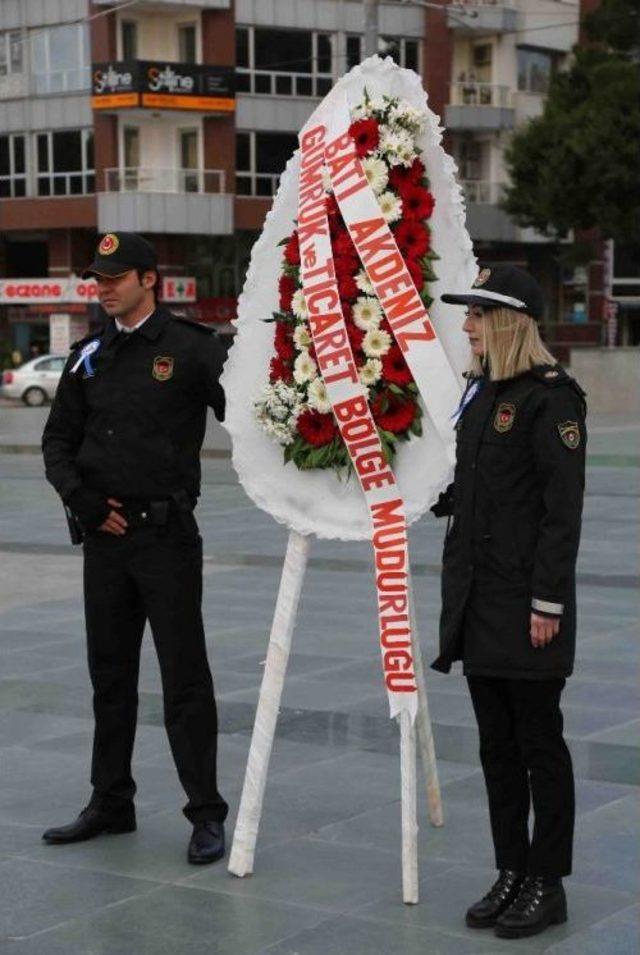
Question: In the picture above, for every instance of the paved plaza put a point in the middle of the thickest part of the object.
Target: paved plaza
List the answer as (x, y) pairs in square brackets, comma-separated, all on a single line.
[(327, 876)]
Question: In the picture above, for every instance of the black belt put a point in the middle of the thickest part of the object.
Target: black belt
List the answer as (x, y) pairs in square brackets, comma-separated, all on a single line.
[(146, 513)]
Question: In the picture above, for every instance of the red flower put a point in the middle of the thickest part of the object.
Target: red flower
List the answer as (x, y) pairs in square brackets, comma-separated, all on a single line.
[(286, 287), (280, 371), (283, 341), (399, 413), (332, 207), (343, 245), (417, 202), (292, 250), (365, 135), (415, 270), (395, 368), (402, 175), (347, 287), (356, 336), (316, 428), (346, 265), (412, 239)]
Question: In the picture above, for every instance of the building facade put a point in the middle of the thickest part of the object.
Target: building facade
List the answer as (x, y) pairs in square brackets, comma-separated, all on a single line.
[(176, 119)]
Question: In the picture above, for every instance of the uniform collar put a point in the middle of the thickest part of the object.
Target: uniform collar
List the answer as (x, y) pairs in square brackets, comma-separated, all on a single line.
[(150, 329)]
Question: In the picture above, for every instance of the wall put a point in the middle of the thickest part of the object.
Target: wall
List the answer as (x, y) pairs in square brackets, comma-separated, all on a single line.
[(610, 376)]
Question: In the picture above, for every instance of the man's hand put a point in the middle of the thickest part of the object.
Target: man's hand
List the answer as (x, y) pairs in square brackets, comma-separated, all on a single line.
[(115, 523), (543, 629)]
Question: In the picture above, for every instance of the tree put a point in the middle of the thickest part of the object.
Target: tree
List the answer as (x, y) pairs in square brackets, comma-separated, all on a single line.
[(575, 166)]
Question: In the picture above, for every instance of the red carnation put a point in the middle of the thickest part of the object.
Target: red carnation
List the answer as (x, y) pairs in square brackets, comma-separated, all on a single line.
[(347, 287), (292, 250), (346, 265), (343, 245), (286, 287), (283, 341), (316, 428), (366, 136), (356, 336), (412, 239), (415, 270), (417, 202), (280, 371), (395, 368), (402, 175), (399, 413), (332, 207)]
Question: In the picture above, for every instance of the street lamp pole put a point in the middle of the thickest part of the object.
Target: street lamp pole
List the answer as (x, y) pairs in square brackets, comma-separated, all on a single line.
[(370, 10)]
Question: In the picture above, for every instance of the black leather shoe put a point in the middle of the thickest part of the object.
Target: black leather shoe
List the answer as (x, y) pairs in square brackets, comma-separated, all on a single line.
[(499, 897), (92, 822), (207, 843), (535, 908)]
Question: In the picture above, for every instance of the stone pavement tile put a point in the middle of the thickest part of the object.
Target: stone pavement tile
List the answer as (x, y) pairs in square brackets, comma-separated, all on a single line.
[(300, 664), (619, 935), (607, 851), (443, 902), (613, 671), (622, 645), (625, 734), (603, 695), (329, 693), (19, 727), (36, 896), (175, 921), (13, 639)]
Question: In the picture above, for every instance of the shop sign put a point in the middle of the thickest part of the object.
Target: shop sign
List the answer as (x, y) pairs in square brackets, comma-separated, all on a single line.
[(156, 84), (178, 289), (47, 291)]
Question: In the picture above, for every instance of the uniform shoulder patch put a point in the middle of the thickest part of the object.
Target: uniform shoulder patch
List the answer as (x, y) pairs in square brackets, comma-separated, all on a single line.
[(569, 432), (504, 418), (551, 375), (205, 329)]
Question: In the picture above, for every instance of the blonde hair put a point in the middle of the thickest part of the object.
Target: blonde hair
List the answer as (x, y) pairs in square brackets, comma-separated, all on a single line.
[(511, 344)]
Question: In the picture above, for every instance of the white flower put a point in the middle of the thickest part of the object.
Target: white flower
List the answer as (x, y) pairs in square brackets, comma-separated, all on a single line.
[(367, 313), (376, 172), (299, 305), (302, 336), (317, 396), (326, 179), (277, 410), (390, 206), (408, 117), (364, 283), (304, 368), (371, 371), (376, 343), (396, 145)]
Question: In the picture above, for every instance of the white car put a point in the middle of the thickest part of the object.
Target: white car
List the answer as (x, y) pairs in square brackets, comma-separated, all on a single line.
[(35, 382)]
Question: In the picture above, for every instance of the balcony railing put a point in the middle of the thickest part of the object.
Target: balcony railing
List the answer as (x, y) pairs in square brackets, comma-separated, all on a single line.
[(472, 93), (271, 83), (483, 191), (261, 185), (151, 179)]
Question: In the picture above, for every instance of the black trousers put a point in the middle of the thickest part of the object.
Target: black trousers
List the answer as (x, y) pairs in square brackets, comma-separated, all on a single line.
[(525, 760), (155, 574)]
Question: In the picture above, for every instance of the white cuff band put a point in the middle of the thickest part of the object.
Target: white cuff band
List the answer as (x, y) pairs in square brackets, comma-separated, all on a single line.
[(545, 606)]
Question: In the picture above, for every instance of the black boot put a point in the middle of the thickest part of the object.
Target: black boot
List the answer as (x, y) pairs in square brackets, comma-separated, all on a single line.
[(499, 897), (92, 822), (207, 843), (537, 905)]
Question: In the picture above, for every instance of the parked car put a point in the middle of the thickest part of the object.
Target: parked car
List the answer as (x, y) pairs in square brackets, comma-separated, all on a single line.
[(35, 382)]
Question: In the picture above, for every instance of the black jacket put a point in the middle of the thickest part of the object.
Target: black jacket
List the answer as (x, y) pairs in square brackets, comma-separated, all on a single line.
[(131, 424), (516, 506)]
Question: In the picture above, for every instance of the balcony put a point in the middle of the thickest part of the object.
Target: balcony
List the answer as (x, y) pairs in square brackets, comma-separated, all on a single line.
[(477, 18), (163, 4), (150, 199), (160, 85), (480, 106), (486, 221)]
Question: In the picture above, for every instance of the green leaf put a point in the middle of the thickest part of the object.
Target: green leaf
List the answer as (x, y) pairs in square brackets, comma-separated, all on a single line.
[(396, 389), (416, 427)]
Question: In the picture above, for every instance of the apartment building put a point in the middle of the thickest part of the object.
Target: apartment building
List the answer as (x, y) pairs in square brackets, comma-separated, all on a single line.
[(175, 118)]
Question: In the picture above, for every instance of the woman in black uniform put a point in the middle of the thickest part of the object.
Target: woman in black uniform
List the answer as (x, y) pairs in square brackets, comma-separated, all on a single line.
[(508, 589)]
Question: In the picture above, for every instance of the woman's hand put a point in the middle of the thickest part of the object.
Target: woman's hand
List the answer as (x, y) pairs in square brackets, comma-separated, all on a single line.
[(543, 629), (115, 523)]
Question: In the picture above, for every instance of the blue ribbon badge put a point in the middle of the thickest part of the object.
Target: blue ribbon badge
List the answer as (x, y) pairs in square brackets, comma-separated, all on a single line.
[(467, 398), (85, 358)]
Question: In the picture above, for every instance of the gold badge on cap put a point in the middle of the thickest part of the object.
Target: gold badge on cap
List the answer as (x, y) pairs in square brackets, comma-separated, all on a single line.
[(162, 368), (569, 434), (482, 278), (109, 244), (505, 416)]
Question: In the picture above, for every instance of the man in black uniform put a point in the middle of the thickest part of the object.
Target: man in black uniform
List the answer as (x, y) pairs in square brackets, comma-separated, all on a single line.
[(121, 447)]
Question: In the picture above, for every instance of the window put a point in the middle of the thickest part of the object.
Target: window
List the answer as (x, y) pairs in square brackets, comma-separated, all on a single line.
[(187, 43), (128, 179), (50, 364), (535, 68), (404, 52), (60, 59), (64, 163), (283, 62), (260, 161), (11, 53), (189, 160), (13, 169), (129, 38)]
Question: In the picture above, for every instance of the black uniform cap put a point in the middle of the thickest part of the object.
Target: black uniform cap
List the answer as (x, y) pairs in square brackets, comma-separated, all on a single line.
[(502, 285), (119, 252)]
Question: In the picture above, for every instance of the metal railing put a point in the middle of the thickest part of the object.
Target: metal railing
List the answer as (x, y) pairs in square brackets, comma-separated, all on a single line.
[(272, 83), (260, 185), (472, 93), (483, 191), (152, 179)]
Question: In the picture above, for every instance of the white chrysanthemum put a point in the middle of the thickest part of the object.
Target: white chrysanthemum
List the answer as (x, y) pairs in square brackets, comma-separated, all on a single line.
[(326, 180), (277, 410), (376, 172), (364, 283), (376, 104), (302, 336), (390, 206), (376, 343), (396, 145), (408, 117), (367, 313), (299, 305), (317, 396), (304, 368), (371, 371)]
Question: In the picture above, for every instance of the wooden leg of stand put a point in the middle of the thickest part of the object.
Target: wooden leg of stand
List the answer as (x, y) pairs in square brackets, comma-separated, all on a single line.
[(409, 812), (246, 831)]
